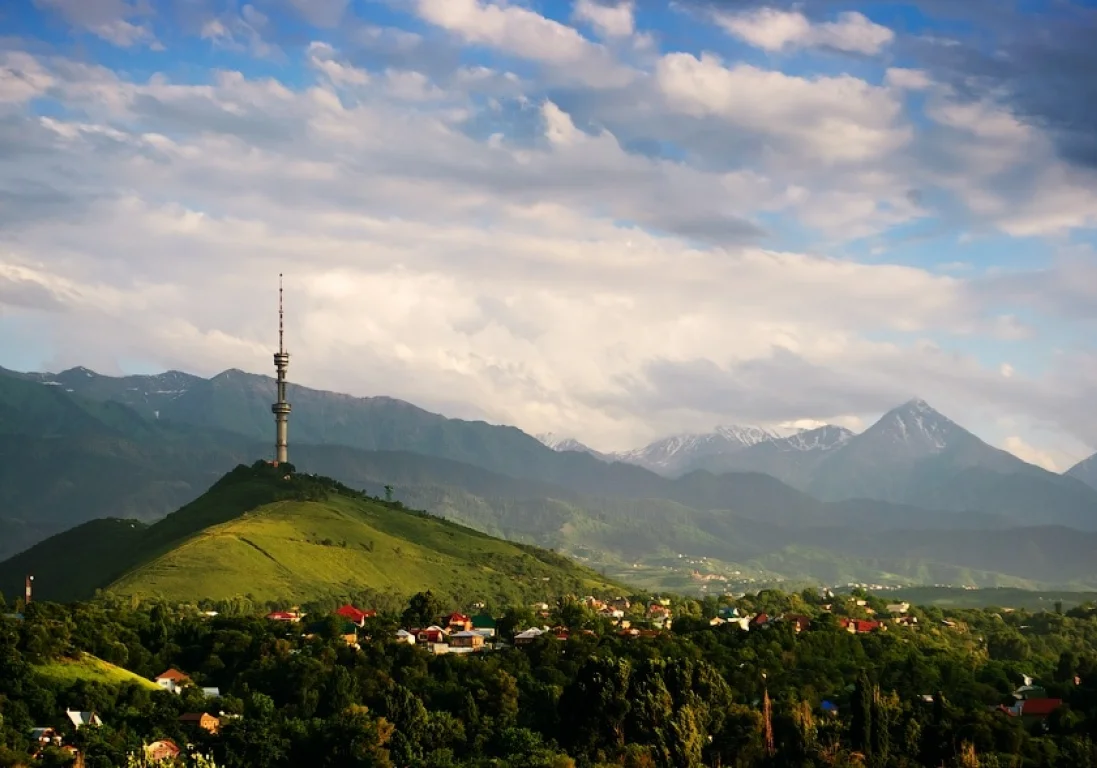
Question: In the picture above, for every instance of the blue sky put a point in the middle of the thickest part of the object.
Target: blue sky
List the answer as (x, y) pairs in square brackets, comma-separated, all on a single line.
[(550, 213)]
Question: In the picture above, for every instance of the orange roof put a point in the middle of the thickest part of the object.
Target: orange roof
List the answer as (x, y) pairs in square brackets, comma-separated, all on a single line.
[(172, 674)]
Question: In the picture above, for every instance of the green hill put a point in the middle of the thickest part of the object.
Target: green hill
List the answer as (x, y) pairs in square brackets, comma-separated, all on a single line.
[(276, 535), (65, 672)]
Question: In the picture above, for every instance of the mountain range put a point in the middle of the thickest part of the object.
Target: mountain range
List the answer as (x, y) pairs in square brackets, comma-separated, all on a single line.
[(915, 498)]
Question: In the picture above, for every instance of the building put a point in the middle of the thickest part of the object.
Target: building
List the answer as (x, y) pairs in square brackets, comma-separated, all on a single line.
[(159, 751), (355, 615), (898, 608), (467, 639), (403, 636), (173, 680), (484, 624), (860, 626), (203, 720), (458, 622), (292, 616), (799, 623), (47, 737), (528, 636), (81, 719)]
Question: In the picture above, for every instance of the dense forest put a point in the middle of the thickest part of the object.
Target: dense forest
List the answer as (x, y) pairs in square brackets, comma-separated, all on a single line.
[(697, 695)]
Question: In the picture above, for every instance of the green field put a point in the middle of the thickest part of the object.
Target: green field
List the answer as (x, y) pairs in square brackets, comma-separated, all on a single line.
[(88, 668)]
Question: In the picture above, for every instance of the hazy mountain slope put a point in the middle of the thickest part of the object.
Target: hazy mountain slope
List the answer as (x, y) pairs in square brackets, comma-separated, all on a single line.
[(276, 536), (1085, 471)]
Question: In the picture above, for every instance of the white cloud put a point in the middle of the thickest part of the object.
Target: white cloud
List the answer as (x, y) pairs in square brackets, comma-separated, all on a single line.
[(908, 79), (833, 119), (484, 243), (107, 19), (529, 35), (774, 30), (1026, 452), (611, 20)]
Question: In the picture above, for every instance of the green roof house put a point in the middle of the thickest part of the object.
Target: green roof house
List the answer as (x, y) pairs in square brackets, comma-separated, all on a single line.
[(483, 624)]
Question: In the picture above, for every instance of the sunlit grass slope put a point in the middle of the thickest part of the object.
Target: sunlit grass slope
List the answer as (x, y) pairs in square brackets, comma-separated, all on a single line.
[(66, 672), (300, 550)]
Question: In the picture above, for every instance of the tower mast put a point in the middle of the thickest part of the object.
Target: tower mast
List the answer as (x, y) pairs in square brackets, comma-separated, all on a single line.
[(281, 408)]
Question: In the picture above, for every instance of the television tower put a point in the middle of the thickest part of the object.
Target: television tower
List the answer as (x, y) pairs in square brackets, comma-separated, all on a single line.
[(281, 408)]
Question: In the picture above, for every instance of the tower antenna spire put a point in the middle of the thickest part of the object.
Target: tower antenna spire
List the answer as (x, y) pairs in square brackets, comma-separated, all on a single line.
[(281, 408)]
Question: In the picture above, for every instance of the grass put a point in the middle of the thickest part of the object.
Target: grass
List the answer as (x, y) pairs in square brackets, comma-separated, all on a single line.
[(293, 550), (67, 672)]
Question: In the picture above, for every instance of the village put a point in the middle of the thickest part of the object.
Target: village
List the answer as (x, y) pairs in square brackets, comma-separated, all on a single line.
[(478, 633)]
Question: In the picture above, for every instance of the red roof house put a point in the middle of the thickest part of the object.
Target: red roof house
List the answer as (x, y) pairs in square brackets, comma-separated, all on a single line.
[(283, 616), (458, 621), (860, 626), (356, 615)]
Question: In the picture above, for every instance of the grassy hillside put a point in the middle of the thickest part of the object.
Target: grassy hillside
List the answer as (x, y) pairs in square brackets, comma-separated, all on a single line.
[(300, 550), (90, 669), (275, 535)]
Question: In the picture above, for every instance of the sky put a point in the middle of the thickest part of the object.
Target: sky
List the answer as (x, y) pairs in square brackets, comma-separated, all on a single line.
[(602, 219)]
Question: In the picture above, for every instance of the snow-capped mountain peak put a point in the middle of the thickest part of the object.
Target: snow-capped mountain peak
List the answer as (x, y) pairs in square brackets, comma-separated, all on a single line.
[(824, 438), (679, 453), (917, 425), (561, 443)]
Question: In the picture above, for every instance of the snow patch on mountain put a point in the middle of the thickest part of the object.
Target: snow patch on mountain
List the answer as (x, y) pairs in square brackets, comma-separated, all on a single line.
[(825, 438), (563, 443), (917, 426), (679, 452)]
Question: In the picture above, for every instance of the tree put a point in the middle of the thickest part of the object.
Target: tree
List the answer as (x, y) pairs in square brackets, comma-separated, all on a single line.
[(423, 609)]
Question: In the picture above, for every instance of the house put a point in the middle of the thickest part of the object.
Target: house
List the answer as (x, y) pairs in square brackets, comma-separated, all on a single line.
[(355, 615), (432, 634), (716, 621), (291, 616), (173, 680), (211, 692), (860, 626), (906, 621), (46, 737), (528, 636), (158, 751), (898, 608), (203, 720), (403, 636), (473, 641), (1031, 710), (458, 622), (80, 719), (484, 624), (799, 622), (759, 621)]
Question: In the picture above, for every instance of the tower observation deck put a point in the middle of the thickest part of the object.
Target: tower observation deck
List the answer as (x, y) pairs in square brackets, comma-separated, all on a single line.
[(281, 408)]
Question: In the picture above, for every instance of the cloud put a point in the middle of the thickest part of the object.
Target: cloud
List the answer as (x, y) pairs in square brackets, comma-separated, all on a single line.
[(107, 19), (526, 34), (610, 20), (832, 119), (1026, 452), (774, 30), (489, 213)]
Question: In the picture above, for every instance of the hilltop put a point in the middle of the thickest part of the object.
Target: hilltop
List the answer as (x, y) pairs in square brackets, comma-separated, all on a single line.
[(272, 534)]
